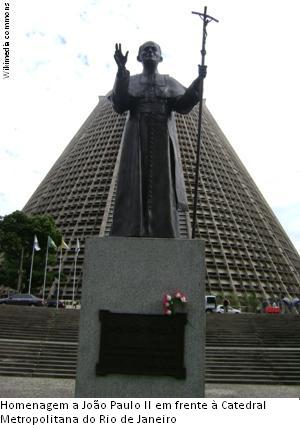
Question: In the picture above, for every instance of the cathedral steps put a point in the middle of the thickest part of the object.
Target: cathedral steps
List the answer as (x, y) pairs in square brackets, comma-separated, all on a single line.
[(253, 330), (253, 365), (244, 348), (38, 323), (38, 358)]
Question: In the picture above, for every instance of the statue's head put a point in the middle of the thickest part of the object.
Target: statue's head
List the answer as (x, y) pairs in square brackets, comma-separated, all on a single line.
[(149, 51)]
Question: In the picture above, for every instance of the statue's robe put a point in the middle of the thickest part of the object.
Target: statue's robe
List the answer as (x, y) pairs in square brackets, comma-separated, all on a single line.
[(150, 187)]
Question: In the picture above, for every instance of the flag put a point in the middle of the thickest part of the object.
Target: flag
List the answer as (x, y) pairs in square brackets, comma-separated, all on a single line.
[(77, 248), (51, 243), (64, 245), (36, 245)]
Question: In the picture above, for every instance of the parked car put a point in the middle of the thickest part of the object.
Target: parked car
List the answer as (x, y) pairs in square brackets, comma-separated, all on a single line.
[(221, 309), (272, 309), (52, 303), (22, 299)]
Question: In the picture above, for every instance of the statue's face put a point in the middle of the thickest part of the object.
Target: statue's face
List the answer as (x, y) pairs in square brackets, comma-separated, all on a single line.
[(150, 52)]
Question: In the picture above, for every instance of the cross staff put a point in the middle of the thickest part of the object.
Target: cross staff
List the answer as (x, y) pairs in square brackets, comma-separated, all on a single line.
[(206, 20)]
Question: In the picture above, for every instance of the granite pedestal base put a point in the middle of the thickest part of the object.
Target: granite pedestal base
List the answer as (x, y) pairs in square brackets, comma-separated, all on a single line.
[(131, 275)]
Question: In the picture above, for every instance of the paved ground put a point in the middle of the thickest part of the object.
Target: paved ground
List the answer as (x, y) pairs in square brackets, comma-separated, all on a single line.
[(26, 387)]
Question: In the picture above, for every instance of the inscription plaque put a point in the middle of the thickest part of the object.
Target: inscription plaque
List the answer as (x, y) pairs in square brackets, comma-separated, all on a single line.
[(141, 344)]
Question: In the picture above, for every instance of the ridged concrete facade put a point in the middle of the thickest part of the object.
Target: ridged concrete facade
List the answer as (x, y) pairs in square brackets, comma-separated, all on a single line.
[(247, 250)]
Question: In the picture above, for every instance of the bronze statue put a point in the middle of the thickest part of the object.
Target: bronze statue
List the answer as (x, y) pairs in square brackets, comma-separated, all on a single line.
[(150, 186)]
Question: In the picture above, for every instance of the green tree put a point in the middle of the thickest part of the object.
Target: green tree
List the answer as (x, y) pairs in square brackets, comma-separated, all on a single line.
[(244, 302), (234, 300), (253, 302), (17, 232), (220, 298)]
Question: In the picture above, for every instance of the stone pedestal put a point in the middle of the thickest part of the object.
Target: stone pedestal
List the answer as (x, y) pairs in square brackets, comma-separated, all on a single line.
[(131, 275)]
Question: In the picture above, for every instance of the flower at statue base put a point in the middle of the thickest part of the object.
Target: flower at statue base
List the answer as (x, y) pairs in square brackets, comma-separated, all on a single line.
[(173, 303)]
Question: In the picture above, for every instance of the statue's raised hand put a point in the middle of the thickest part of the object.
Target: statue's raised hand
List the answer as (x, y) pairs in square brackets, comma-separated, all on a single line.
[(120, 59)]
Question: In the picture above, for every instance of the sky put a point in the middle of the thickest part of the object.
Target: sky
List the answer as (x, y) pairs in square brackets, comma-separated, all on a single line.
[(61, 60)]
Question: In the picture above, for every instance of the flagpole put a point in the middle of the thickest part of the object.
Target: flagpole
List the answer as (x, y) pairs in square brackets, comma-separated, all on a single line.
[(57, 293), (20, 272), (30, 277), (74, 279), (45, 273), (77, 250)]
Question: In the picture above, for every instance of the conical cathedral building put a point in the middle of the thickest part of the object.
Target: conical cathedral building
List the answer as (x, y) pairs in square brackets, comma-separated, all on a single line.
[(247, 250)]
